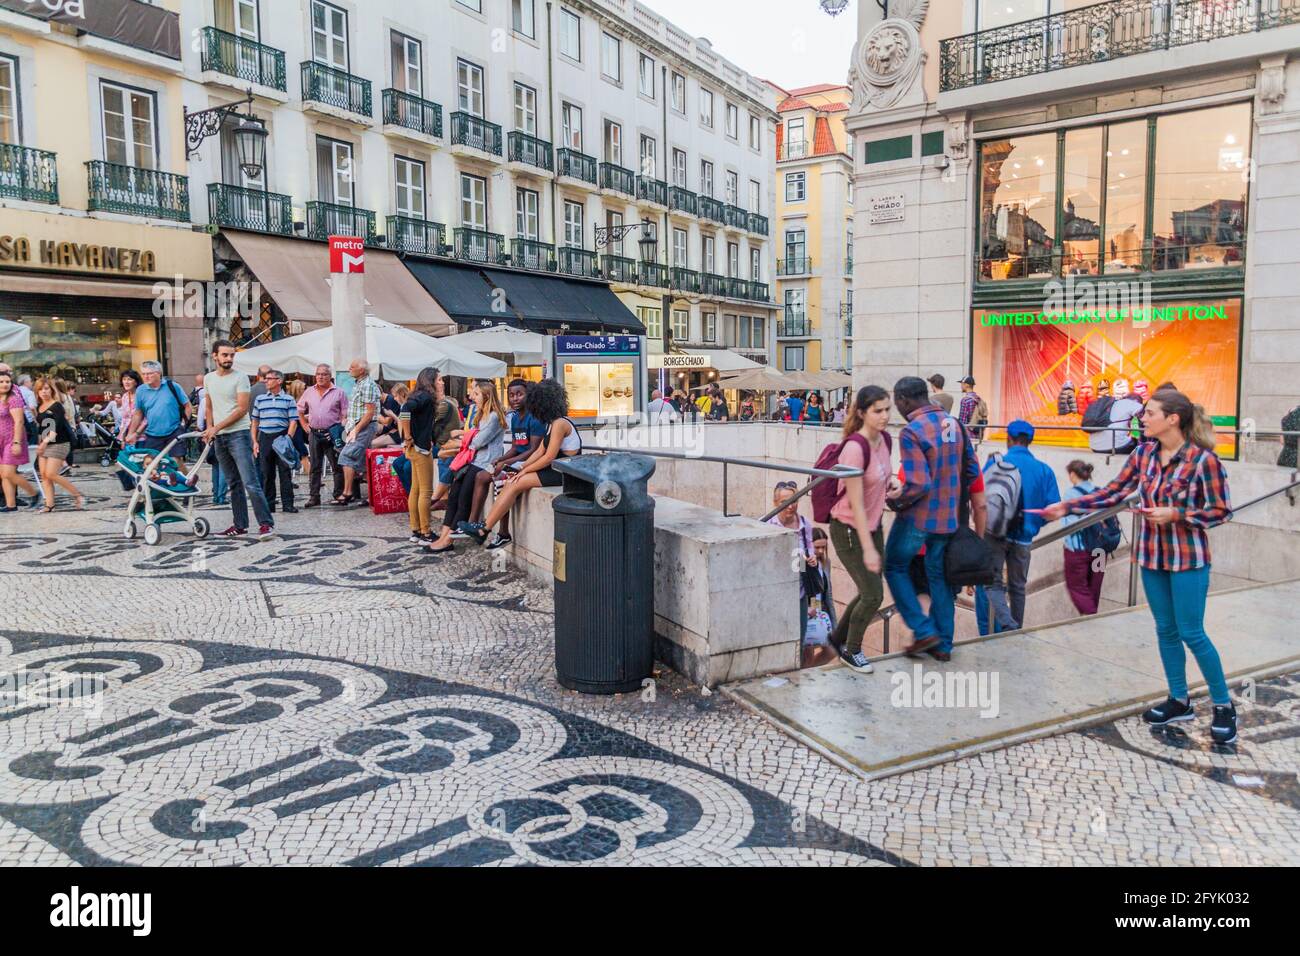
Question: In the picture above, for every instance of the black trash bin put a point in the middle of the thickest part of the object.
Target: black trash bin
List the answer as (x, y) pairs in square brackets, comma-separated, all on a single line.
[(604, 573)]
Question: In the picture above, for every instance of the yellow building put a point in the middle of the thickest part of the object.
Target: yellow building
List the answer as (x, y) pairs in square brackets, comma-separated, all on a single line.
[(94, 200), (813, 229)]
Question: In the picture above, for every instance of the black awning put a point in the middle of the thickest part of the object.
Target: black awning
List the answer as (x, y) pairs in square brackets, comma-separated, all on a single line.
[(462, 290), (548, 302)]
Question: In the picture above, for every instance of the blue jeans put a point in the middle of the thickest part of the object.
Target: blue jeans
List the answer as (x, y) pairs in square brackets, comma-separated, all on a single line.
[(234, 453), (1177, 600), (905, 541)]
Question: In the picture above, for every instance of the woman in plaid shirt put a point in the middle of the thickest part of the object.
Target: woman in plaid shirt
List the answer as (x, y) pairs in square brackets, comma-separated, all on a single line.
[(1184, 492)]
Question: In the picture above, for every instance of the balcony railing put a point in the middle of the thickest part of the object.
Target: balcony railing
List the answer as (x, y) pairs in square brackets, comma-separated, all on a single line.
[(578, 262), (618, 268), (682, 200), (325, 219), (758, 225), (738, 288), (28, 174), (713, 210), (337, 88), (759, 292), (618, 179), (1103, 31), (531, 254), (248, 60), (713, 284), (477, 245), (239, 207), (653, 273), (576, 165), (687, 280), (411, 112), (794, 325), (794, 266), (138, 192), (529, 150), (737, 218), (794, 149), (420, 236), (652, 190), (848, 265), (475, 132)]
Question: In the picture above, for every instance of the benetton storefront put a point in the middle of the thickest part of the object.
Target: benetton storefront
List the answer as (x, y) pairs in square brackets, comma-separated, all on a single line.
[(99, 297)]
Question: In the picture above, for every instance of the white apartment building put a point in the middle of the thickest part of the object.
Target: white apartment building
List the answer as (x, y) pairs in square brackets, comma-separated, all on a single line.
[(503, 134), (1056, 195)]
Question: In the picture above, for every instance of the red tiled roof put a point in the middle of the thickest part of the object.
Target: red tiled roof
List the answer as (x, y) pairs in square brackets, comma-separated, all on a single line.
[(823, 141), (835, 108), (819, 88), (794, 104)]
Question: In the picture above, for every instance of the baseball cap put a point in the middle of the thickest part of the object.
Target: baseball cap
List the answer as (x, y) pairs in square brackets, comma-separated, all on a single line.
[(968, 380), (1020, 429)]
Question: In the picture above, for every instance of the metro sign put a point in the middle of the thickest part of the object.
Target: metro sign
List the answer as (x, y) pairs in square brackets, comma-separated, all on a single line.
[(347, 255)]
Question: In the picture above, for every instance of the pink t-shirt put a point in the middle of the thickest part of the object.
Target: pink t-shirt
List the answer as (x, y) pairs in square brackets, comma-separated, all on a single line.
[(874, 483)]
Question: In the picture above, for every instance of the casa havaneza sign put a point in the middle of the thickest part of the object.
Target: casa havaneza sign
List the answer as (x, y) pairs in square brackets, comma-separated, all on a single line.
[(79, 256), (136, 24)]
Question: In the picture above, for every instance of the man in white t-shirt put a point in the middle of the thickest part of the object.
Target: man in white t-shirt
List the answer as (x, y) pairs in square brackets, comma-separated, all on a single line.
[(659, 411), (226, 401)]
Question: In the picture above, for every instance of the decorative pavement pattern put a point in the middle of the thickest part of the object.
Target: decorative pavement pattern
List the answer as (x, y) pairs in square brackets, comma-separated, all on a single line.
[(334, 696)]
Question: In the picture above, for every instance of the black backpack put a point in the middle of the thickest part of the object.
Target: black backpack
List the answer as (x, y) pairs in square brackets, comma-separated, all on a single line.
[(1097, 417), (968, 560), (1106, 536)]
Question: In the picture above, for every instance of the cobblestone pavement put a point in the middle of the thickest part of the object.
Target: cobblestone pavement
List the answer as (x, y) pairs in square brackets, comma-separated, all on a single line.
[(333, 696)]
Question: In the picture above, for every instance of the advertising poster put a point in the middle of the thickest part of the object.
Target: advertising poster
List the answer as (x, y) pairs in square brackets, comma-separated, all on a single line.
[(616, 389), (1045, 367), (582, 382)]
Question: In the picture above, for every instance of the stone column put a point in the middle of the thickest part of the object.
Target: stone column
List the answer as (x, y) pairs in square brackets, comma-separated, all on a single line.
[(348, 318)]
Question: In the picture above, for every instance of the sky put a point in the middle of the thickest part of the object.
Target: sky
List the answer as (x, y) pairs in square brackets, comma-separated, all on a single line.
[(790, 42)]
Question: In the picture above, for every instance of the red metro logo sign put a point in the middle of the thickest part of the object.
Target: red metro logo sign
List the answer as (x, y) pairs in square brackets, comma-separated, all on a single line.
[(347, 255)]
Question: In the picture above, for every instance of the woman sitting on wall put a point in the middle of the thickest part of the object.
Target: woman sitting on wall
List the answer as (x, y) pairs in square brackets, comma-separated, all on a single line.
[(549, 404)]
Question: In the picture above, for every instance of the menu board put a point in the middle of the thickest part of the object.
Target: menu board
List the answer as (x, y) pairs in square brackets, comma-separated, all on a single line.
[(601, 390)]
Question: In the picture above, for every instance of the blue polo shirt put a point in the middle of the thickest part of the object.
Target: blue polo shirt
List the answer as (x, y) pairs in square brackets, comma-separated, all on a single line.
[(796, 407), (1038, 488), (161, 407), (273, 413)]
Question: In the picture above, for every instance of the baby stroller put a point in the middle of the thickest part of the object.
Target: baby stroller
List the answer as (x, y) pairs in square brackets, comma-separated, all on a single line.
[(163, 493), (98, 438)]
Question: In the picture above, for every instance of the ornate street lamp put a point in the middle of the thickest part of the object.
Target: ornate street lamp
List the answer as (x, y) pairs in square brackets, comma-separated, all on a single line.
[(250, 135), (834, 7)]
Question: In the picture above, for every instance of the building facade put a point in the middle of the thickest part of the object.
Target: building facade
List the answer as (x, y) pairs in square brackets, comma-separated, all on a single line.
[(1059, 197), (814, 229), (95, 204), (501, 133)]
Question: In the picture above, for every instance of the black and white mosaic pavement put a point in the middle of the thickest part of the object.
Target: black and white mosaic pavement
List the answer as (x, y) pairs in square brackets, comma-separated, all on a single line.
[(334, 697)]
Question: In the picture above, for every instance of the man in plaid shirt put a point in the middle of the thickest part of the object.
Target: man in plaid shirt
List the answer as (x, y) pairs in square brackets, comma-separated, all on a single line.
[(359, 429), (937, 459)]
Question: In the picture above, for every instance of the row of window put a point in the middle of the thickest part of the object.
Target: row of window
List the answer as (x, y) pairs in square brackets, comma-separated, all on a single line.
[(740, 331)]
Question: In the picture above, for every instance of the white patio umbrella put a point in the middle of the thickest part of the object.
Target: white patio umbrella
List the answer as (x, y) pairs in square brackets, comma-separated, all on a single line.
[(14, 336), (394, 352), (519, 345)]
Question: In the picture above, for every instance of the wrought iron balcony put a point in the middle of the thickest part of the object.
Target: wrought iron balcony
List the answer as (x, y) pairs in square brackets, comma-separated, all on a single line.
[(529, 150), (794, 325), (848, 327), (477, 245), (738, 288), (245, 59), (531, 254), (28, 174), (737, 218), (578, 262), (687, 280), (653, 273), (758, 225), (325, 219), (138, 192), (576, 165), (257, 210), (618, 179), (652, 190), (848, 265), (759, 292), (794, 266), (420, 236), (411, 112), (794, 149), (713, 284), (682, 200), (618, 268), (337, 88), (1103, 31), (475, 132), (713, 210)]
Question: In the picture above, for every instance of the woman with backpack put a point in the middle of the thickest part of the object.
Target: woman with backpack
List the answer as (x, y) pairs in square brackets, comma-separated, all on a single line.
[(1084, 573), (855, 518), (1184, 492)]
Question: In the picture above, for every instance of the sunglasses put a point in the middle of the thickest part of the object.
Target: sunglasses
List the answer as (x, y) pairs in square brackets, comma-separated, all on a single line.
[(786, 486)]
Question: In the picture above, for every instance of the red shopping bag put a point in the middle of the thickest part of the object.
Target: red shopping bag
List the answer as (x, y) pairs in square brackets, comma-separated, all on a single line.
[(387, 496)]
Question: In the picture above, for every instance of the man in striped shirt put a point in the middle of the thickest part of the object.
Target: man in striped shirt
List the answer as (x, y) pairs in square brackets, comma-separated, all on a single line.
[(274, 413)]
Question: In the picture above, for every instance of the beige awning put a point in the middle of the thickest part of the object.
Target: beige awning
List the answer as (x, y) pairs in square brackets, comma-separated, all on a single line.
[(295, 273), (66, 285)]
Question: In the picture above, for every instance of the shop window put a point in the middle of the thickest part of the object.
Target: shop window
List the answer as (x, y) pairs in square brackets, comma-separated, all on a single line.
[(1201, 175), (1126, 201), (1017, 207), (89, 349), (1081, 202)]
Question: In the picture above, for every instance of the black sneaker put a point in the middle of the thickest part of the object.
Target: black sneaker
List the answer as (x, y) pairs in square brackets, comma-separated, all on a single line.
[(858, 661), (1223, 729), (1169, 712), (498, 541)]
